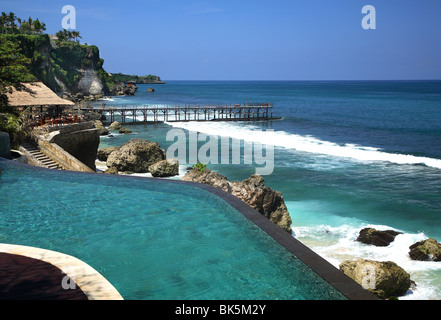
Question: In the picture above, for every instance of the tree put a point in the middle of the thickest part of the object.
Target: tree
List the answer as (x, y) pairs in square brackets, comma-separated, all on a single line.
[(68, 36), (38, 26), (76, 36), (11, 22), (13, 70)]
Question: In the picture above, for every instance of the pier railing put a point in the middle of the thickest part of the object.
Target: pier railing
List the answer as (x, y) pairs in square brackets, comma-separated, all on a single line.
[(167, 113)]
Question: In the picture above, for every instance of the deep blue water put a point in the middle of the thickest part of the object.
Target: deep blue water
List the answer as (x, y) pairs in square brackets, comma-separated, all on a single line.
[(347, 155)]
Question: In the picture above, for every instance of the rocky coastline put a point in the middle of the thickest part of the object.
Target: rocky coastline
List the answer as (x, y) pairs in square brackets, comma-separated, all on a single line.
[(252, 191), (386, 279)]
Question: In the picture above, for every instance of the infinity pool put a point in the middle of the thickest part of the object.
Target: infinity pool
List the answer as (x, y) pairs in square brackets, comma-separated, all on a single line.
[(151, 239)]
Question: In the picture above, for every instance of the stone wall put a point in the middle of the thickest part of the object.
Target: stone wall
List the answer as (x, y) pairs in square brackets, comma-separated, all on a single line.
[(74, 146), (82, 144), (5, 145)]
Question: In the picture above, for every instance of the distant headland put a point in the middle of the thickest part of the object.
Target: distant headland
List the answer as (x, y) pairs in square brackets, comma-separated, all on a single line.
[(150, 79)]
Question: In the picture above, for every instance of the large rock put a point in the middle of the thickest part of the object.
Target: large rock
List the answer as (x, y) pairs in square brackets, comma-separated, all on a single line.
[(252, 191), (427, 250), (124, 130), (136, 155), (265, 200), (115, 126), (376, 237), (208, 177), (101, 128), (104, 153), (384, 279), (165, 168)]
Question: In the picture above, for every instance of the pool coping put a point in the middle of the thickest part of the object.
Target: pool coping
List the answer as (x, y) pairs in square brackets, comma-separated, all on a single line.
[(79, 273), (348, 287)]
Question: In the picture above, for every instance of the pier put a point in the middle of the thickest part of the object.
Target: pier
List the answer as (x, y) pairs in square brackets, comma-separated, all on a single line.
[(155, 114)]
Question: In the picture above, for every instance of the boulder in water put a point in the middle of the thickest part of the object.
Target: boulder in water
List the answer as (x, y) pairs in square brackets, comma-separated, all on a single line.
[(104, 153), (427, 250), (384, 279), (136, 156), (115, 126), (165, 168), (376, 237)]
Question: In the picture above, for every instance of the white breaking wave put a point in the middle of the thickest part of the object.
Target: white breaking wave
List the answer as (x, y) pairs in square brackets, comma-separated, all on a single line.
[(303, 143)]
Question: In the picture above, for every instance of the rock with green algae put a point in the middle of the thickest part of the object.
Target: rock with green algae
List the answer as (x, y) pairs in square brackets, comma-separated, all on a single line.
[(384, 279), (124, 130), (426, 250)]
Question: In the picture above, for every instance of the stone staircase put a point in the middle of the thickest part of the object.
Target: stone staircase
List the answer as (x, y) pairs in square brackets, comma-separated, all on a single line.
[(40, 157)]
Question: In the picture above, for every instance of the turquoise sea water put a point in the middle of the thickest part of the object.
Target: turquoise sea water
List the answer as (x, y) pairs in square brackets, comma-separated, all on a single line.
[(347, 155), (151, 240)]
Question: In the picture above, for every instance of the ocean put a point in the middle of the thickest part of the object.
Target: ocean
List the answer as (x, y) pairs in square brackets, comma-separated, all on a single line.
[(347, 155)]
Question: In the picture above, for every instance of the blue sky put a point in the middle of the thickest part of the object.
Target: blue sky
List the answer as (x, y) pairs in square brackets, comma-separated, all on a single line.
[(255, 40)]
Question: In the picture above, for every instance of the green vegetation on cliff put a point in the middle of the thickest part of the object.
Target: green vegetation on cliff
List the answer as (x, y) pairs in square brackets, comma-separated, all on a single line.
[(60, 64)]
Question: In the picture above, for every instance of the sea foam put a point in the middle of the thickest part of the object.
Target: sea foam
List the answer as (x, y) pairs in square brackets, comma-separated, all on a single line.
[(307, 144)]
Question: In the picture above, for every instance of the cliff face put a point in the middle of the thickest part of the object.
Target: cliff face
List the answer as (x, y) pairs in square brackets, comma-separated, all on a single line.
[(68, 67), (90, 82)]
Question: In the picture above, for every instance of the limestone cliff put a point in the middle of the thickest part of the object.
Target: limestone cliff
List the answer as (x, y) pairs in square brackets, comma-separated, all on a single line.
[(67, 67)]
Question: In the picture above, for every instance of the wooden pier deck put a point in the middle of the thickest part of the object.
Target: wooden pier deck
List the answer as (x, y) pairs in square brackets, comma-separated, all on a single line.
[(184, 113)]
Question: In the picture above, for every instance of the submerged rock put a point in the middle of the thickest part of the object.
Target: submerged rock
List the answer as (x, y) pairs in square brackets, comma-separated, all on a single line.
[(104, 153), (111, 170), (426, 250), (252, 191), (384, 279), (136, 156), (376, 237), (165, 168)]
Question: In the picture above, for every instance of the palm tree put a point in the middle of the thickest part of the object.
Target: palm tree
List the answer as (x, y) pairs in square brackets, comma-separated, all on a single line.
[(76, 36), (11, 20), (3, 22)]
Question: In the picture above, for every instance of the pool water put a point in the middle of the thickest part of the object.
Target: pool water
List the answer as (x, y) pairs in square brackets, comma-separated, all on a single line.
[(151, 239)]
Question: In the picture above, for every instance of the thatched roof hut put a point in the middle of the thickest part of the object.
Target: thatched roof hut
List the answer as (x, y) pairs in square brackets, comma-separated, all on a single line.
[(35, 94)]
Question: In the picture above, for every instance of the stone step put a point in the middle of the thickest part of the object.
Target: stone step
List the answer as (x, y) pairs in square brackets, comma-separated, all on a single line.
[(40, 156)]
